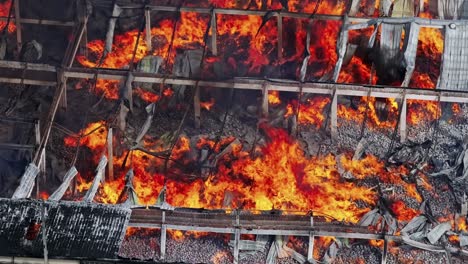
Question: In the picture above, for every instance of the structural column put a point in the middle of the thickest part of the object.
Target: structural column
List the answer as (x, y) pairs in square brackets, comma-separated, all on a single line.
[(334, 116), (310, 250), (403, 119), (61, 79), (163, 237), (280, 37), (385, 252), (236, 245), (196, 106), (214, 47), (19, 39), (265, 100), (148, 28), (110, 154)]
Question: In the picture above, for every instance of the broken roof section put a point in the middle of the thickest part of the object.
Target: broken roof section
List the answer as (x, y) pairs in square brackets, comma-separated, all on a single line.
[(74, 229)]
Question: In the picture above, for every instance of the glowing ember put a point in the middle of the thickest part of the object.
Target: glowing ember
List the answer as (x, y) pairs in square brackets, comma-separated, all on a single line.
[(402, 212), (146, 95), (207, 105)]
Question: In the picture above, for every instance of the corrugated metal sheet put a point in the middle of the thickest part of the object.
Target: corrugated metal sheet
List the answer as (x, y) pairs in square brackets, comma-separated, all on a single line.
[(454, 73), (410, 48), (403, 8), (390, 39), (451, 9), (74, 229)]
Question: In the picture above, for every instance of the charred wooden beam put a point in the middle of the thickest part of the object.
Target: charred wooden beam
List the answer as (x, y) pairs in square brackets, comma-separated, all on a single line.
[(280, 37), (19, 41), (44, 22), (214, 45), (265, 100)]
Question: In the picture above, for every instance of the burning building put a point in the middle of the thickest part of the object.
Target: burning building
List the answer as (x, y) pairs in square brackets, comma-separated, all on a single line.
[(233, 131)]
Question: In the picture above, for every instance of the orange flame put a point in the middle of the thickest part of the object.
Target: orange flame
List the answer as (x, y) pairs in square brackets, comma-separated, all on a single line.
[(273, 98), (298, 182), (310, 112), (4, 11), (207, 105)]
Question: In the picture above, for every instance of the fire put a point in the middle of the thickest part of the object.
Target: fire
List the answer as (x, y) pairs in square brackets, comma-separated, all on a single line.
[(4, 11), (147, 96), (43, 195), (376, 243), (273, 98), (311, 112), (291, 182), (368, 107), (93, 136), (207, 105), (259, 50), (220, 257), (461, 224), (402, 212)]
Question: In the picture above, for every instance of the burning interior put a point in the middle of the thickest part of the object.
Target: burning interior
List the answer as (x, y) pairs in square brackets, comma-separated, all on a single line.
[(234, 131)]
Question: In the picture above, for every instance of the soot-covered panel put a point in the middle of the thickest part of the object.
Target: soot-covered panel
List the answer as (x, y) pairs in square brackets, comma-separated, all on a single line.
[(74, 229)]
